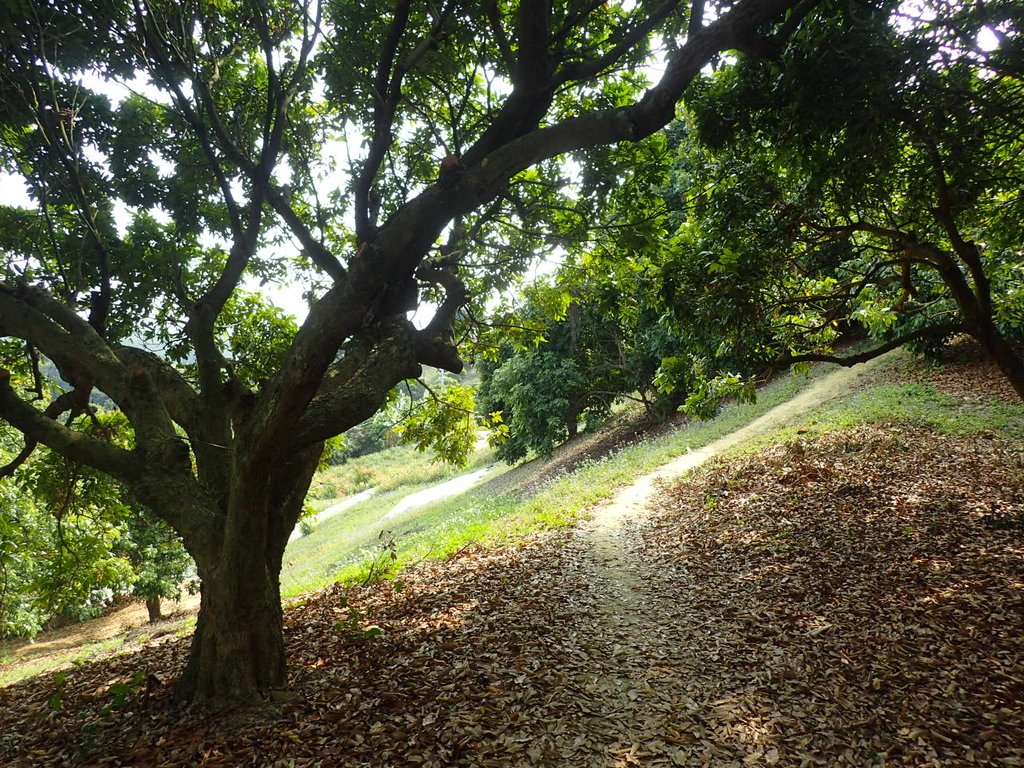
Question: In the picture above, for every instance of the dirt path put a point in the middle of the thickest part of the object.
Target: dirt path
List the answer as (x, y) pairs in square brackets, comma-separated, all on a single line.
[(642, 622), (610, 522), (631, 501)]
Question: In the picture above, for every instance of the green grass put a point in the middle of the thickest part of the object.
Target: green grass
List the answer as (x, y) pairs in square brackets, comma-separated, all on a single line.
[(77, 655), (923, 405), (313, 561), (385, 470), (910, 403), (347, 547)]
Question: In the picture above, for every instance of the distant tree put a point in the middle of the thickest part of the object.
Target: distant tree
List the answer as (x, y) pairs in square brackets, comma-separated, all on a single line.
[(584, 355), (158, 559), (71, 541), (883, 191)]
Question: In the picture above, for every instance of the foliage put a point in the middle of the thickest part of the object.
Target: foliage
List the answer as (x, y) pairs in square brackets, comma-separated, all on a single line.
[(595, 342), (159, 561), (81, 513), (71, 541), (444, 421), (21, 541), (881, 191), (537, 396)]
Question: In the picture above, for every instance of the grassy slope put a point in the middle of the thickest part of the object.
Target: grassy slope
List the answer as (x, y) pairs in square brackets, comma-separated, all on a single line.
[(350, 547), (347, 546)]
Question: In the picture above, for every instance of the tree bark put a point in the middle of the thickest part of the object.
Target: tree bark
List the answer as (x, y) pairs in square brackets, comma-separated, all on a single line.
[(153, 608), (975, 305), (238, 650)]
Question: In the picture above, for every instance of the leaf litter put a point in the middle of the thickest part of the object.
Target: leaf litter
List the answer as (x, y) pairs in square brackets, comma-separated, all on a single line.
[(856, 599)]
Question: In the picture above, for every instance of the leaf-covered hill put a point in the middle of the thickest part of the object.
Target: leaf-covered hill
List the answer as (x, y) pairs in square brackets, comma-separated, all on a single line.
[(854, 599), (849, 598)]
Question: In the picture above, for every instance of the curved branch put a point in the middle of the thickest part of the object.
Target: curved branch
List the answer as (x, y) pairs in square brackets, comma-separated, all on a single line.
[(629, 123), (32, 314), (355, 392), (848, 361), (75, 401), (401, 244), (39, 427)]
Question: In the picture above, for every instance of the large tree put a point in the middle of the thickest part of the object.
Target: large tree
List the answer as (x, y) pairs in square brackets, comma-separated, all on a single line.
[(222, 163)]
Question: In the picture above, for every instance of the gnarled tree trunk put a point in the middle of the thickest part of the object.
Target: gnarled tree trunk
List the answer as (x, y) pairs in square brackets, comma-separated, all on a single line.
[(238, 649)]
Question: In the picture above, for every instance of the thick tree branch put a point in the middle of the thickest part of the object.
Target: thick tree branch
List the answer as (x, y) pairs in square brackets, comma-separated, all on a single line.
[(387, 87), (533, 31), (355, 392), (75, 401), (630, 123), (77, 446), (940, 330), (54, 328), (402, 243), (313, 247), (695, 23)]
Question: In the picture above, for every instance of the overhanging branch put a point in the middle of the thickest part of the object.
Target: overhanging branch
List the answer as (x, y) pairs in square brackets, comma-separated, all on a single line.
[(848, 361), (77, 446)]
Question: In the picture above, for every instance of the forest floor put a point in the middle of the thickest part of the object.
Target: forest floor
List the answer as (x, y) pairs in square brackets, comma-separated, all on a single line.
[(846, 596)]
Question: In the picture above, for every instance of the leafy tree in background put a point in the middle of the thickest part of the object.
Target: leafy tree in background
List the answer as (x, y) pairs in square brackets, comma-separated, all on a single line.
[(71, 541), (863, 178), (587, 354), (868, 176), (22, 541), (158, 559), (225, 162)]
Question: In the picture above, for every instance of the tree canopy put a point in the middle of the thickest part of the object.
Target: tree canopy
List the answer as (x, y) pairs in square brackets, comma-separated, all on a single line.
[(885, 185), (862, 179)]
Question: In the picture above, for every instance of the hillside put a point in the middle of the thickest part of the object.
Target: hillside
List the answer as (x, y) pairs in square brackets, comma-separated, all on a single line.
[(844, 588)]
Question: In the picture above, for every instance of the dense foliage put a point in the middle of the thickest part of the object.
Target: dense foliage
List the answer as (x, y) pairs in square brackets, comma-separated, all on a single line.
[(579, 348), (879, 187), (72, 541)]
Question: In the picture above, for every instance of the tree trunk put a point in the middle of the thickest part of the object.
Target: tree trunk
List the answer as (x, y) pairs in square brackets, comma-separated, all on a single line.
[(1003, 354), (153, 607), (975, 305), (572, 418), (238, 651)]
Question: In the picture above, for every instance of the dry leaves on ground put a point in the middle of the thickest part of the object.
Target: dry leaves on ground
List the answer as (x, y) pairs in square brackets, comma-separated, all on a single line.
[(854, 600), (966, 373)]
